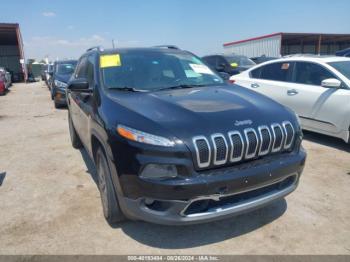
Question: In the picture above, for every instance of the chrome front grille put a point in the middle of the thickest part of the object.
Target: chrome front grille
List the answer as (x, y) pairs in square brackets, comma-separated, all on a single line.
[(236, 146)]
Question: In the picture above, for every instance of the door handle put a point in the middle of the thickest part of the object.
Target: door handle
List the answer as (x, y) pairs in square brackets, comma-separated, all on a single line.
[(292, 92), (254, 85)]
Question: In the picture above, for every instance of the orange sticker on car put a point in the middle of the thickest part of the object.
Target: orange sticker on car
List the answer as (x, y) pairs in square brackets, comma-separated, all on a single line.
[(285, 66)]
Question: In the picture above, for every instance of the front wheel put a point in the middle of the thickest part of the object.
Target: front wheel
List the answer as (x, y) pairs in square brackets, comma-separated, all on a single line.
[(110, 205)]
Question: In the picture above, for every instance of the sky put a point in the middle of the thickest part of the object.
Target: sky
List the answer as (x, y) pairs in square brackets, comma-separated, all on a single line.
[(65, 29)]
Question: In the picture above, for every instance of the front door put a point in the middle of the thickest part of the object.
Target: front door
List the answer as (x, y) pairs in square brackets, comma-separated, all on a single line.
[(322, 108)]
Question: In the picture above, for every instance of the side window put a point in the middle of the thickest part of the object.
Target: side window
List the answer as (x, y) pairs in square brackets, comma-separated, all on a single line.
[(276, 71), (81, 68), (310, 73), (256, 73), (90, 62), (221, 61), (210, 60)]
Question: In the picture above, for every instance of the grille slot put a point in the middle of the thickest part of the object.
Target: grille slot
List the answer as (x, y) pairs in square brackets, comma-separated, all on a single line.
[(203, 151), (252, 142), (220, 149), (265, 140), (278, 135), (237, 146), (289, 131)]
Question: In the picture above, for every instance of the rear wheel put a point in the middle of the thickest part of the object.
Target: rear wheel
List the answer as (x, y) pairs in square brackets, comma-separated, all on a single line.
[(57, 105), (74, 137), (110, 205)]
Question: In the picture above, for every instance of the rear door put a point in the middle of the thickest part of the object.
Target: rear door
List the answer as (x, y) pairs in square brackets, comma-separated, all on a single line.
[(87, 99), (272, 80), (76, 100), (320, 107)]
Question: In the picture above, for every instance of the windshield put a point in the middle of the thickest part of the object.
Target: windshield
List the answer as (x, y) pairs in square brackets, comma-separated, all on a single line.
[(343, 67), (240, 60), (65, 69), (154, 70)]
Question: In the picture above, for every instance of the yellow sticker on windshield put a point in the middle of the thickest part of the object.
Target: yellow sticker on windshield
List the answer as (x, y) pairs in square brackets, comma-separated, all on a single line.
[(110, 61)]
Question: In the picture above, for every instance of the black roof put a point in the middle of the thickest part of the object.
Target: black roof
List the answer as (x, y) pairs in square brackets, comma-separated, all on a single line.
[(65, 61)]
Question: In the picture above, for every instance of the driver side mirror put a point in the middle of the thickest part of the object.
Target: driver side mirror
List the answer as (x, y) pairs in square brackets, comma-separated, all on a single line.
[(80, 85), (331, 83)]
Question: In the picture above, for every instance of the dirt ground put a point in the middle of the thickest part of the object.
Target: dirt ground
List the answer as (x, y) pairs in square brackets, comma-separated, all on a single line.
[(49, 202)]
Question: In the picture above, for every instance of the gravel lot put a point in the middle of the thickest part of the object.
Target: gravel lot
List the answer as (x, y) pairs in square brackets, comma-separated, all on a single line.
[(49, 202)]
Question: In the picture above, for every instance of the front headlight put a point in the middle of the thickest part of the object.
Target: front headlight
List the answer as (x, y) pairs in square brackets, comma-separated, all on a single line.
[(60, 84), (143, 137)]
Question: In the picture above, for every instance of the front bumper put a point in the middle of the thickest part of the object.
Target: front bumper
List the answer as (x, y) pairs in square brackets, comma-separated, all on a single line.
[(214, 194)]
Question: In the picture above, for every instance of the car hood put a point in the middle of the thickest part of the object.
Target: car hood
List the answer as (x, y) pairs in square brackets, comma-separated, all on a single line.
[(202, 111)]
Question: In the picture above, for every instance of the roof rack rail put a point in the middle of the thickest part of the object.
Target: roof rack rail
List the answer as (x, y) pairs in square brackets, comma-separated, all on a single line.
[(98, 48), (167, 46)]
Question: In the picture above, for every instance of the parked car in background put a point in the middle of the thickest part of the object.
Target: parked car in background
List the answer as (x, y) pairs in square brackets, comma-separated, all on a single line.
[(344, 52), (7, 77), (173, 143), (62, 72), (48, 75), (317, 88), (44, 70), (3, 88), (230, 64), (262, 59)]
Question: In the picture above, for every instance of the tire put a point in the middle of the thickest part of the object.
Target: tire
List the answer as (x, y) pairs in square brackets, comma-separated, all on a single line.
[(74, 137), (52, 94), (57, 105), (110, 205)]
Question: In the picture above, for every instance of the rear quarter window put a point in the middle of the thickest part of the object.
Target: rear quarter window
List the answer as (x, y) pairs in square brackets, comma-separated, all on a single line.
[(255, 73), (276, 71)]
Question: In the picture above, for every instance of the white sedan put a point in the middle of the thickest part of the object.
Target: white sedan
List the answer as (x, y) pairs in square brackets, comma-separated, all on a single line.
[(317, 88)]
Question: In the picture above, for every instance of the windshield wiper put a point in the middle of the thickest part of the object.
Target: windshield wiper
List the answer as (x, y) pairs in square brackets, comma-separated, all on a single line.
[(181, 87), (125, 88)]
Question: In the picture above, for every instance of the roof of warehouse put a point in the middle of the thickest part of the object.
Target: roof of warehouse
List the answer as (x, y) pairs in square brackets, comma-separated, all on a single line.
[(290, 35), (8, 34), (252, 39), (8, 25)]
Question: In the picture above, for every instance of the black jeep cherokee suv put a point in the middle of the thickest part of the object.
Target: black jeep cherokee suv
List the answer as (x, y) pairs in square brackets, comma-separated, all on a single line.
[(173, 143)]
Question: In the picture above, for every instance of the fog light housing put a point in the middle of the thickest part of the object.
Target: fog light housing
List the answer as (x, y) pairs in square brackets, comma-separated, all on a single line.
[(156, 171)]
